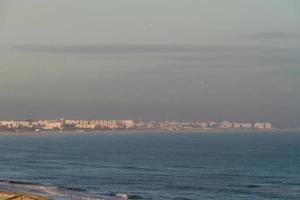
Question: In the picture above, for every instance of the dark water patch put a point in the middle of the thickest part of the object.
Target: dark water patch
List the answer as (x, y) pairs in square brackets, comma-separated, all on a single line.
[(252, 186), (187, 187), (75, 189), (134, 197), (293, 184), (243, 176), (14, 182), (181, 198), (231, 191), (187, 167), (274, 182), (137, 168)]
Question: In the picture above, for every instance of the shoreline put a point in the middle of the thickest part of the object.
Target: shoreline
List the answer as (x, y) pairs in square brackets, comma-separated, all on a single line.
[(200, 131)]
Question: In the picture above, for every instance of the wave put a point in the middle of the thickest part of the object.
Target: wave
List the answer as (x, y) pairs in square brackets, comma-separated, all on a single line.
[(57, 192), (61, 192), (126, 196)]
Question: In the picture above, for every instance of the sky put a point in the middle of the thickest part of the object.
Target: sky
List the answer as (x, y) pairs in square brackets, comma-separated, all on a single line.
[(160, 59)]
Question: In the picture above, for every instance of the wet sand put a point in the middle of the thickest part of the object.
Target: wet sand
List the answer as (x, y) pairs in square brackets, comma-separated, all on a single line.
[(4, 195)]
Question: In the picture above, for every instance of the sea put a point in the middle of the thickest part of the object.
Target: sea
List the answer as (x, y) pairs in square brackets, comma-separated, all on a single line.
[(153, 166)]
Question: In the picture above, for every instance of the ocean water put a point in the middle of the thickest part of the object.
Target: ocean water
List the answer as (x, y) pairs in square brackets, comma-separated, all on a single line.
[(158, 166)]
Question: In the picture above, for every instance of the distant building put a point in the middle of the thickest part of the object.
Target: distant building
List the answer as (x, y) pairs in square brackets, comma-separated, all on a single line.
[(226, 125), (236, 125), (268, 125), (50, 124), (246, 125), (127, 124), (258, 125), (94, 124), (203, 125), (262, 125)]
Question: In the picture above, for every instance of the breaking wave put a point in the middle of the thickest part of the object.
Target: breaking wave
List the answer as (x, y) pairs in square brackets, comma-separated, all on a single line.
[(57, 192), (61, 192)]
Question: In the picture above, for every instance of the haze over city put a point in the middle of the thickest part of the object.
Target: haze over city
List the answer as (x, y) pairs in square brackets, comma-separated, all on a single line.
[(158, 59)]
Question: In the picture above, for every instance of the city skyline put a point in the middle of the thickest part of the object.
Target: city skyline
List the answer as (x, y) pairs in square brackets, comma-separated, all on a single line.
[(120, 59), (125, 124)]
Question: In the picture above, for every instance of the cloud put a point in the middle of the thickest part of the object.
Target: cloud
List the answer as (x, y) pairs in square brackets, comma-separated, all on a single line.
[(132, 49), (110, 49), (177, 56), (272, 35), (177, 52)]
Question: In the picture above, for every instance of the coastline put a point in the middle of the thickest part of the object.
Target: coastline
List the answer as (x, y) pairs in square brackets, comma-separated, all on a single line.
[(199, 131)]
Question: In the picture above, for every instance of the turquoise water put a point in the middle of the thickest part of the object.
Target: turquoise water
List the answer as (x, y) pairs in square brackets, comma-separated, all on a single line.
[(173, 166)]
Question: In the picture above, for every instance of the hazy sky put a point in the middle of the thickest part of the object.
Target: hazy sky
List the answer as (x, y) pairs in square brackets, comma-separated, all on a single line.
[(155, 59)]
